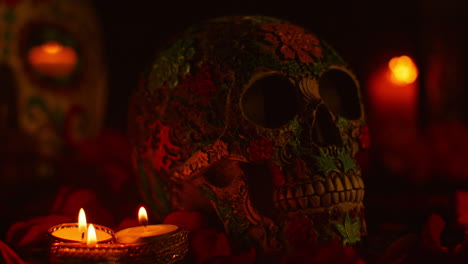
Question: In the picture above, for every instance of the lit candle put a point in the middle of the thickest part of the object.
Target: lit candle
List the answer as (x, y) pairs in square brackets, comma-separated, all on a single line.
[(82, 225), (90, 252), (154, 243), (144, 232), (76, 232), (53, 59), (91, 240)]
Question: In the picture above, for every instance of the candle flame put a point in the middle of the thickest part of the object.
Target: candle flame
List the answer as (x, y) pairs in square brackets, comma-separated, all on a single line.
[(82, 223), (143, 216), (404, 70), (92, 237), (52, 47)]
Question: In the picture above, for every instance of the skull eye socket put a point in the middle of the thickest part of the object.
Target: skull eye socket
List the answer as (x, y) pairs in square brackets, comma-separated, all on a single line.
[(271, 101), (339, 91)]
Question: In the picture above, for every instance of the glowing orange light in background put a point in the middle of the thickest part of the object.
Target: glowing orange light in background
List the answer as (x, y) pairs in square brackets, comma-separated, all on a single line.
[(52, 47), (92, 237), (403, 69), (82, 223), (53, 59), (143, 216)]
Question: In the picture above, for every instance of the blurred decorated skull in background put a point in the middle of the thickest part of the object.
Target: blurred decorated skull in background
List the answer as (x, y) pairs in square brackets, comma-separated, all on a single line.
[(53, 76), (257, 120)]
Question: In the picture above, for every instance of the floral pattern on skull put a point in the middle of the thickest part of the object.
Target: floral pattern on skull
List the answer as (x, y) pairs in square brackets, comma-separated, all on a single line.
[(264, 120)]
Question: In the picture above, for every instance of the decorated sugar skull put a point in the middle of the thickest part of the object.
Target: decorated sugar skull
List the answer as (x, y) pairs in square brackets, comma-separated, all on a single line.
[(51, 59), (257, 120)]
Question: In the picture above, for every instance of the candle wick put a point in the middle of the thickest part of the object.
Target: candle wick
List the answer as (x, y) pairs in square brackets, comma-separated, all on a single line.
[(82, 236)]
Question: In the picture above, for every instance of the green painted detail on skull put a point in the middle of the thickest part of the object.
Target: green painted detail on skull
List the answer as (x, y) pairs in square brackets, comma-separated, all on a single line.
[(342, 124), (248, 58), (295, 68), (294, 140), (172, 65), (326, 161), (235, 223), (346, 159), (349, 231), (331, 57)]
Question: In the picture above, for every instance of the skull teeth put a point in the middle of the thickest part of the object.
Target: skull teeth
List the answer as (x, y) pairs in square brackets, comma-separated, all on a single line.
[(338, 184), (319, 188), (321, 193), (309, 190), (347, 183)]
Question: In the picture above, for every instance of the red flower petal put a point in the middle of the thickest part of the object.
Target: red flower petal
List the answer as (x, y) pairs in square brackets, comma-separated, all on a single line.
[(332, 252), (33, 230), (209, 243), (304, 56), (287, 52), (432, 231), (8, 256), (462, 207), (246, 258)]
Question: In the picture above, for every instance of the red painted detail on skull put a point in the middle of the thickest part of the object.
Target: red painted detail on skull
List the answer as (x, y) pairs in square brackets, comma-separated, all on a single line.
[(364, 137), (294, 41), (260, 149), (160, 147), (300, 170), (300, 232), (278, 175), (200, 84)]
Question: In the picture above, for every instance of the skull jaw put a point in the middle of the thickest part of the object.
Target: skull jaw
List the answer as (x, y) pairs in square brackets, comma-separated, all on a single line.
[(276, 238), (278, 235)]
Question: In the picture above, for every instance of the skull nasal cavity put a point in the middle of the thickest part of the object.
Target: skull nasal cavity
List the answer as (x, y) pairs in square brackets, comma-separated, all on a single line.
[(324, 132), (340, 93), (271, 101)]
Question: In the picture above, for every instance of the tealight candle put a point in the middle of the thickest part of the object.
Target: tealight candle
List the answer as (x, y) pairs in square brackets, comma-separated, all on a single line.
[(161, 243), (144, 232), (75, 232), (89, 252), (82, 253)]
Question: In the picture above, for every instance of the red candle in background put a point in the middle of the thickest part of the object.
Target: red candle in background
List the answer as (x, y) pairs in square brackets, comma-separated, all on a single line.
[(392, 98), (393, 90)]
